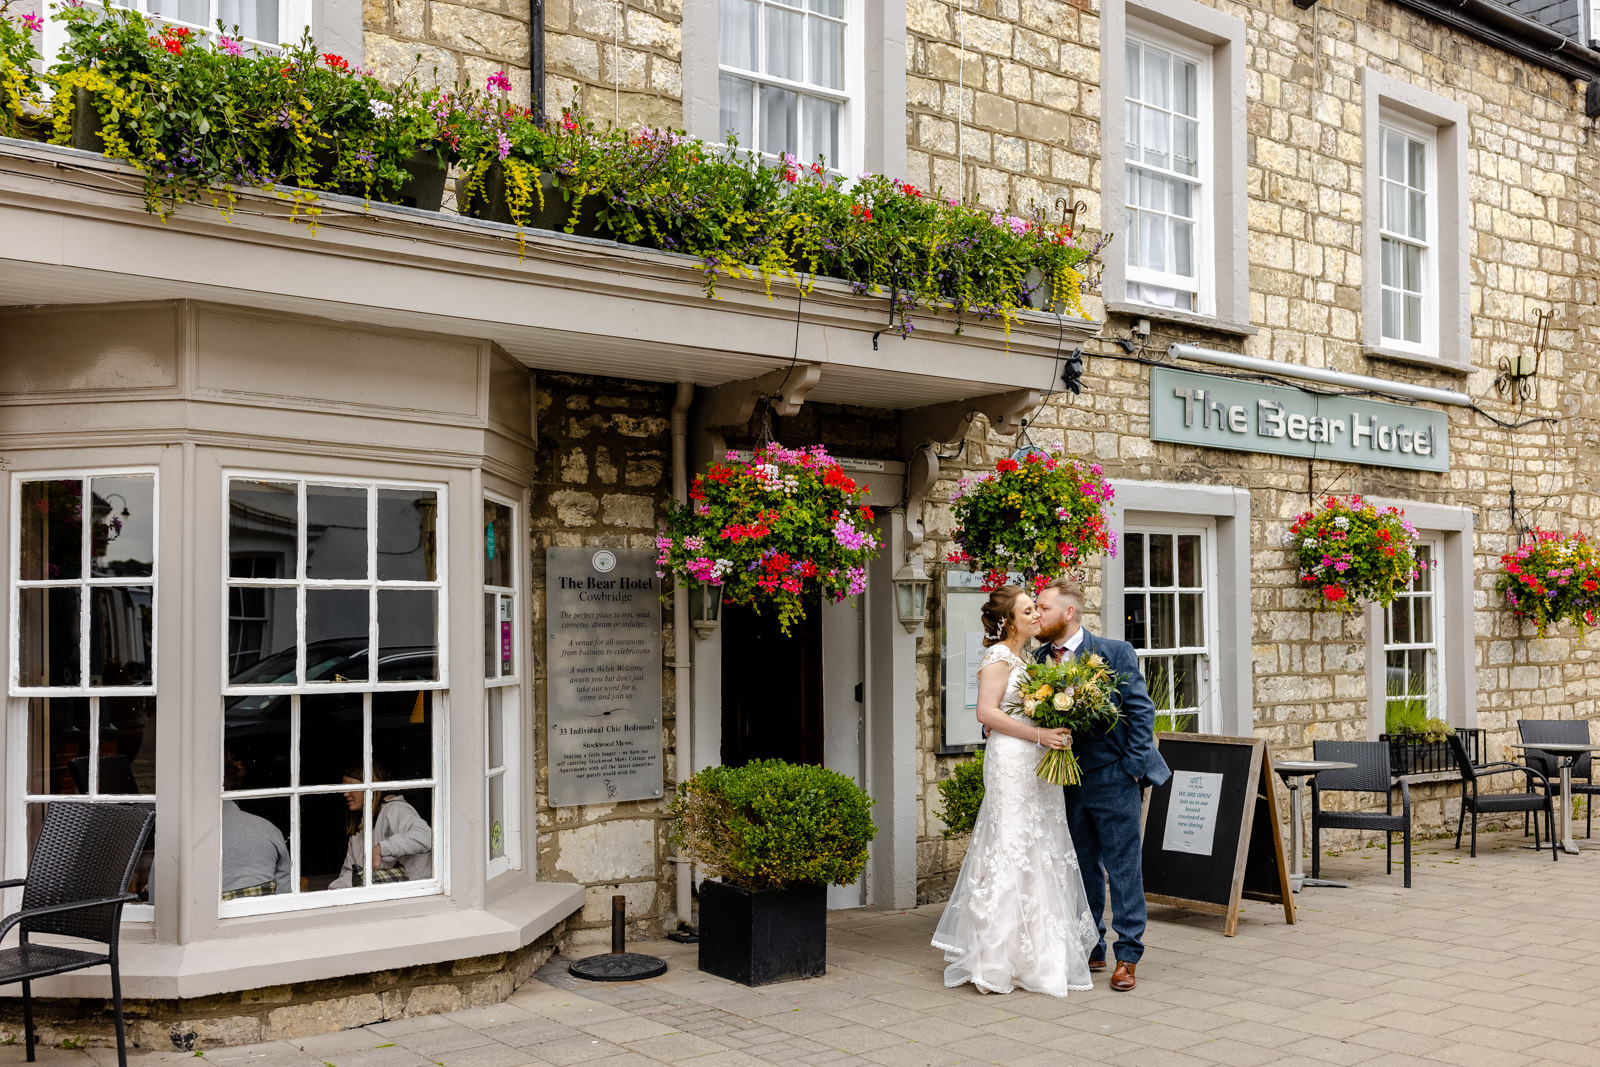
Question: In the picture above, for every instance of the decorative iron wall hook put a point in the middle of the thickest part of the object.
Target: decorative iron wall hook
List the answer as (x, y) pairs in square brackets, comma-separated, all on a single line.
[(1069, 213), (1517, 373)]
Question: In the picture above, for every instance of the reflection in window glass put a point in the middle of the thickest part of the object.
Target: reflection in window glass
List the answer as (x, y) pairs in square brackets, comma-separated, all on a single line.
[(48, 642), (1165, 591), (121, 621), (408, 535), (408, 625), (336, 532), (123, 520), (502, 694), (51, 517)]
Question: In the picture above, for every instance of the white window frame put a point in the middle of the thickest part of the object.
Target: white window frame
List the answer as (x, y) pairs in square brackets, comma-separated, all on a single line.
[(17, 795), (295, 900), (1202, 285), (852, 127), (1428, 136), (1436, 694), (510, 769), (294, 18), (1208, 711)]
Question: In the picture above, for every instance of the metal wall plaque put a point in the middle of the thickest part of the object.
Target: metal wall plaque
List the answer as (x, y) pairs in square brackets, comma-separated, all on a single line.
[(1211, 411), (603, 648)]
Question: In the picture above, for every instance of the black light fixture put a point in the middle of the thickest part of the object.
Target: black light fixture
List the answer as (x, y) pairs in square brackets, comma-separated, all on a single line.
[(1517, 373)]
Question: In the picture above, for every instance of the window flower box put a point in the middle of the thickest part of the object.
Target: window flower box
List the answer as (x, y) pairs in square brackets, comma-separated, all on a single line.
[(1411, 753)]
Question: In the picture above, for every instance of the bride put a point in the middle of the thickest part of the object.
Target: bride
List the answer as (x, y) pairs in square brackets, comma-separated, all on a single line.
[(1018, 915)]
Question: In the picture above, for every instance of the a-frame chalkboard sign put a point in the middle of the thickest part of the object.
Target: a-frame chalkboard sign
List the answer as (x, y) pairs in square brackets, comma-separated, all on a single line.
[(1211, 833)]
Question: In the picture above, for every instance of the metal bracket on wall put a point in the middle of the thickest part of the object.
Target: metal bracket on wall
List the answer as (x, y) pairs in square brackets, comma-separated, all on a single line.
[(730, 406), (923, 430)]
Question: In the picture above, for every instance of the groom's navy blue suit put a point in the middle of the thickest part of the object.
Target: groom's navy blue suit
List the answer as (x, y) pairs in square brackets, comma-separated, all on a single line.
[(1103, 813)]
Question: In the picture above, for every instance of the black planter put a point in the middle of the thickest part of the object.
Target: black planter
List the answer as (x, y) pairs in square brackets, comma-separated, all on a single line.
[(425, 187), (86, 122), (489, 203), (773, 935)]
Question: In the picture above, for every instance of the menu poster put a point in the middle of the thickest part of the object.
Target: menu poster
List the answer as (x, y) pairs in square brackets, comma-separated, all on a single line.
[(603, 648)]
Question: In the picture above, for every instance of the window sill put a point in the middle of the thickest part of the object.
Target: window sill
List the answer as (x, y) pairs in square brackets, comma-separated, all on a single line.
[(1414, 359), (1179, 317)]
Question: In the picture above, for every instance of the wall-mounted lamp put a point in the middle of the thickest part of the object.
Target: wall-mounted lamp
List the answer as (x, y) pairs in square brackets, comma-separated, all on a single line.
[(911, 595), (1517, 373), (705, 608)]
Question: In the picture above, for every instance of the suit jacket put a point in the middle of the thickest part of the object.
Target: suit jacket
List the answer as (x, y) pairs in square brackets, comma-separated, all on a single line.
[(1131, 744)]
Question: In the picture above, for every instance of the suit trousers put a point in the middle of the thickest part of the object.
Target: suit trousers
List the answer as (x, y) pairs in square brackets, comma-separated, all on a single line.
[(1103, 815)]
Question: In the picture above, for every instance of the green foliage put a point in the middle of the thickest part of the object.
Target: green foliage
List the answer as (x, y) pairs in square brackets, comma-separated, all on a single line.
[(771, 824), (1553, 578), (1350, 552), (961, 795), (1039, 516), (19, 83)]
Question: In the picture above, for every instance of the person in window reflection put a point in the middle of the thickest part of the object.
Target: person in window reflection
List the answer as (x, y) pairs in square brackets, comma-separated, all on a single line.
[(402, 842), (255, 860)]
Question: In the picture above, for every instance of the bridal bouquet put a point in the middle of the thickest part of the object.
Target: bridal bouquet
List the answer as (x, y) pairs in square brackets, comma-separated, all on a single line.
[(1074, 693)]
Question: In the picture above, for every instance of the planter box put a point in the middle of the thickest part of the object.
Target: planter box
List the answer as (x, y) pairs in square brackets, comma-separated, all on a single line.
[(489, 203), (86, 122), (425, 187), (774, 935), (1408, 755)]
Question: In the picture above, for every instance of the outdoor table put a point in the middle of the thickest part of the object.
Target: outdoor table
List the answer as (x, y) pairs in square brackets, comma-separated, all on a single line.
[(1567, 752), (1295, 774)]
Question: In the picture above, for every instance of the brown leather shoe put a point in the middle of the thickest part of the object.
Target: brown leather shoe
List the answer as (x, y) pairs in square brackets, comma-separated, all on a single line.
[(1122, 977), (1097, 963)]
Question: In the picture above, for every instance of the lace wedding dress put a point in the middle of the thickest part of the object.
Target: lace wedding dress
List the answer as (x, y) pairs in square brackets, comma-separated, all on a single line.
[(1018, 915)]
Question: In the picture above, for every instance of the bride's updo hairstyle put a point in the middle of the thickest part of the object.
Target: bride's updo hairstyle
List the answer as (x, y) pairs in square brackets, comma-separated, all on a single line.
[(997, 613)]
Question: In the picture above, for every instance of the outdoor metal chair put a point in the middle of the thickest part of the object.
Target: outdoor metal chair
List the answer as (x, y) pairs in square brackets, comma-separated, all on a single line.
[(1498, 803), (1370, 775), (76, 887), (1568, 731)]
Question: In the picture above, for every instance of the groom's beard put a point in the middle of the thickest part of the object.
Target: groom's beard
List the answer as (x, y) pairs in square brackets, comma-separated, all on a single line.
[(1054, 635)]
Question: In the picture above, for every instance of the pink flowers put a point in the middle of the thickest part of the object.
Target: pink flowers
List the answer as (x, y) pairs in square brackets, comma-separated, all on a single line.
[(230, 46), (499, 83), (503, 143), (851, 538), (33, 22)]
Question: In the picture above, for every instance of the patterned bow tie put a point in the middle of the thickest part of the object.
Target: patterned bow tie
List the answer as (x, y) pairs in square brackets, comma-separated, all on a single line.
[(1058, 652)]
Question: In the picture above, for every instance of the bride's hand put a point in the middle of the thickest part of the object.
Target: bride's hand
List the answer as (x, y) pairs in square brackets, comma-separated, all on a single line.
[(1058, 738)]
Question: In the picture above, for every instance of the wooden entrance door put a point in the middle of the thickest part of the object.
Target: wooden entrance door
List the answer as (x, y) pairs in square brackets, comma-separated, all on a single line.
[(772, 697)]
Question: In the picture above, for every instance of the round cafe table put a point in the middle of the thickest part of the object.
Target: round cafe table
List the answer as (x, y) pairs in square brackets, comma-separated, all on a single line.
[(1295, 774), (1567, 753)]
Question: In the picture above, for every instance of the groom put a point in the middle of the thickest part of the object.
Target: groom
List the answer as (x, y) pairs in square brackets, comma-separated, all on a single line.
[(1103, 812)]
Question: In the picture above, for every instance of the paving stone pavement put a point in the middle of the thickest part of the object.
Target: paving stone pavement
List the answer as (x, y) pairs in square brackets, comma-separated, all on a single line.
[(1482, 962)]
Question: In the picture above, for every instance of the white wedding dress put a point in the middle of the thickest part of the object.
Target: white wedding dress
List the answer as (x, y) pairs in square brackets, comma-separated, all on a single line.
[(1018, 915)]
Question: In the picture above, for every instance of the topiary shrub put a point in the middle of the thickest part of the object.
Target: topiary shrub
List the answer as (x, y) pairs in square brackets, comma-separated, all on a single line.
[(773, 825), (961, 795)]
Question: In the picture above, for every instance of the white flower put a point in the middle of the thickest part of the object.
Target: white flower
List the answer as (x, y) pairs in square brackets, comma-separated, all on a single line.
[(1341, 522), (381, 109), (1310, 542)]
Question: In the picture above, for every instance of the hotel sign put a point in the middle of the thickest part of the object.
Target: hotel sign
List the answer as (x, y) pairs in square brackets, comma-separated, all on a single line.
[(1211, 411)]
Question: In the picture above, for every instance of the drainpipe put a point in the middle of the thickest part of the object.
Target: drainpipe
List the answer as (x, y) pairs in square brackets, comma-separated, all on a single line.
[(683, 747), (536, 57)]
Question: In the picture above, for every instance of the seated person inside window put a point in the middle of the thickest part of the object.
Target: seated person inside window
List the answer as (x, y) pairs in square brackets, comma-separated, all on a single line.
[(255, 860), (402, 842)]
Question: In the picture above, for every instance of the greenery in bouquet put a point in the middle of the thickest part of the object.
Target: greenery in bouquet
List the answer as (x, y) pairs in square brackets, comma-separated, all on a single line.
[(1074, 693), (19, 80), (773, 531), (774, 825), (1350, 551), (1553, 578), (961, 795), (1037, 516)]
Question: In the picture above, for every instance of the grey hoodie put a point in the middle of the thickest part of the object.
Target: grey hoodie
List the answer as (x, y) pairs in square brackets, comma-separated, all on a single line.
[(404, 838)]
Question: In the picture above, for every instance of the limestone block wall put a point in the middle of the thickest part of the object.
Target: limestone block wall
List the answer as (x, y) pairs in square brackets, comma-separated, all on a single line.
[(604, 478), (446, 43)]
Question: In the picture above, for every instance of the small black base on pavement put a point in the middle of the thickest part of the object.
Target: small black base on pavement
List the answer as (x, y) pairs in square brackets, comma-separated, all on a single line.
[(684, 937), (618, 967)]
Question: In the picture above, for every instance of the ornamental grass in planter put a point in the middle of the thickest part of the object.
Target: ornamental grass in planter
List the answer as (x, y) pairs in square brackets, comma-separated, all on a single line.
[(777, 835)]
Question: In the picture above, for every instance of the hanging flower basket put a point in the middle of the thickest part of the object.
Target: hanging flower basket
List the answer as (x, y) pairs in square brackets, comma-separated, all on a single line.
[(1038, 516), (1554, 578), (1351, 552), (773, 531)]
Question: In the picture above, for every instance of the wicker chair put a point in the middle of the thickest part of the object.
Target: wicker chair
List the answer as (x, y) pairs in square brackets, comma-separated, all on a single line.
[(1371, 775), (1498, 803), (76, 887), (1546, 763)]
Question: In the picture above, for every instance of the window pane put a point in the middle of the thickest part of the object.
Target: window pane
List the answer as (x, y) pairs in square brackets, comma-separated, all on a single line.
[(737, 114), (255, 848), (1389, 253), (1393, 156), (1163, 621), (1161, 573), (58, 735), (1189, 571), (1394, 207), (402, 735), (1156, 132), (1413, 321), (1135, 621), (822, 131), (497, 547), (1186, 681), (197, 12), (828, 7), (257, 19), (491, 635), (782, 31), (736, 42), (1401, 629), (780, 120), (497, 816), (1417, 159), (1422, 619), (826, 53), (120, 628), (1191, 620), (336, 635), (408, 625), (127, 746), (336, 531), (324, 838), (1424, 578), (332, 738), (1153, 242), (52, 530), (48, 642), (261, 632), (1135, 72), (1158, 680), (1186, 97), (1186, 146), (408, 521), (123, 514), (1182, 248), (495, 707), (1156, 86), (1391, 313), (256, 737), (1133, 560), (262, 523)]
